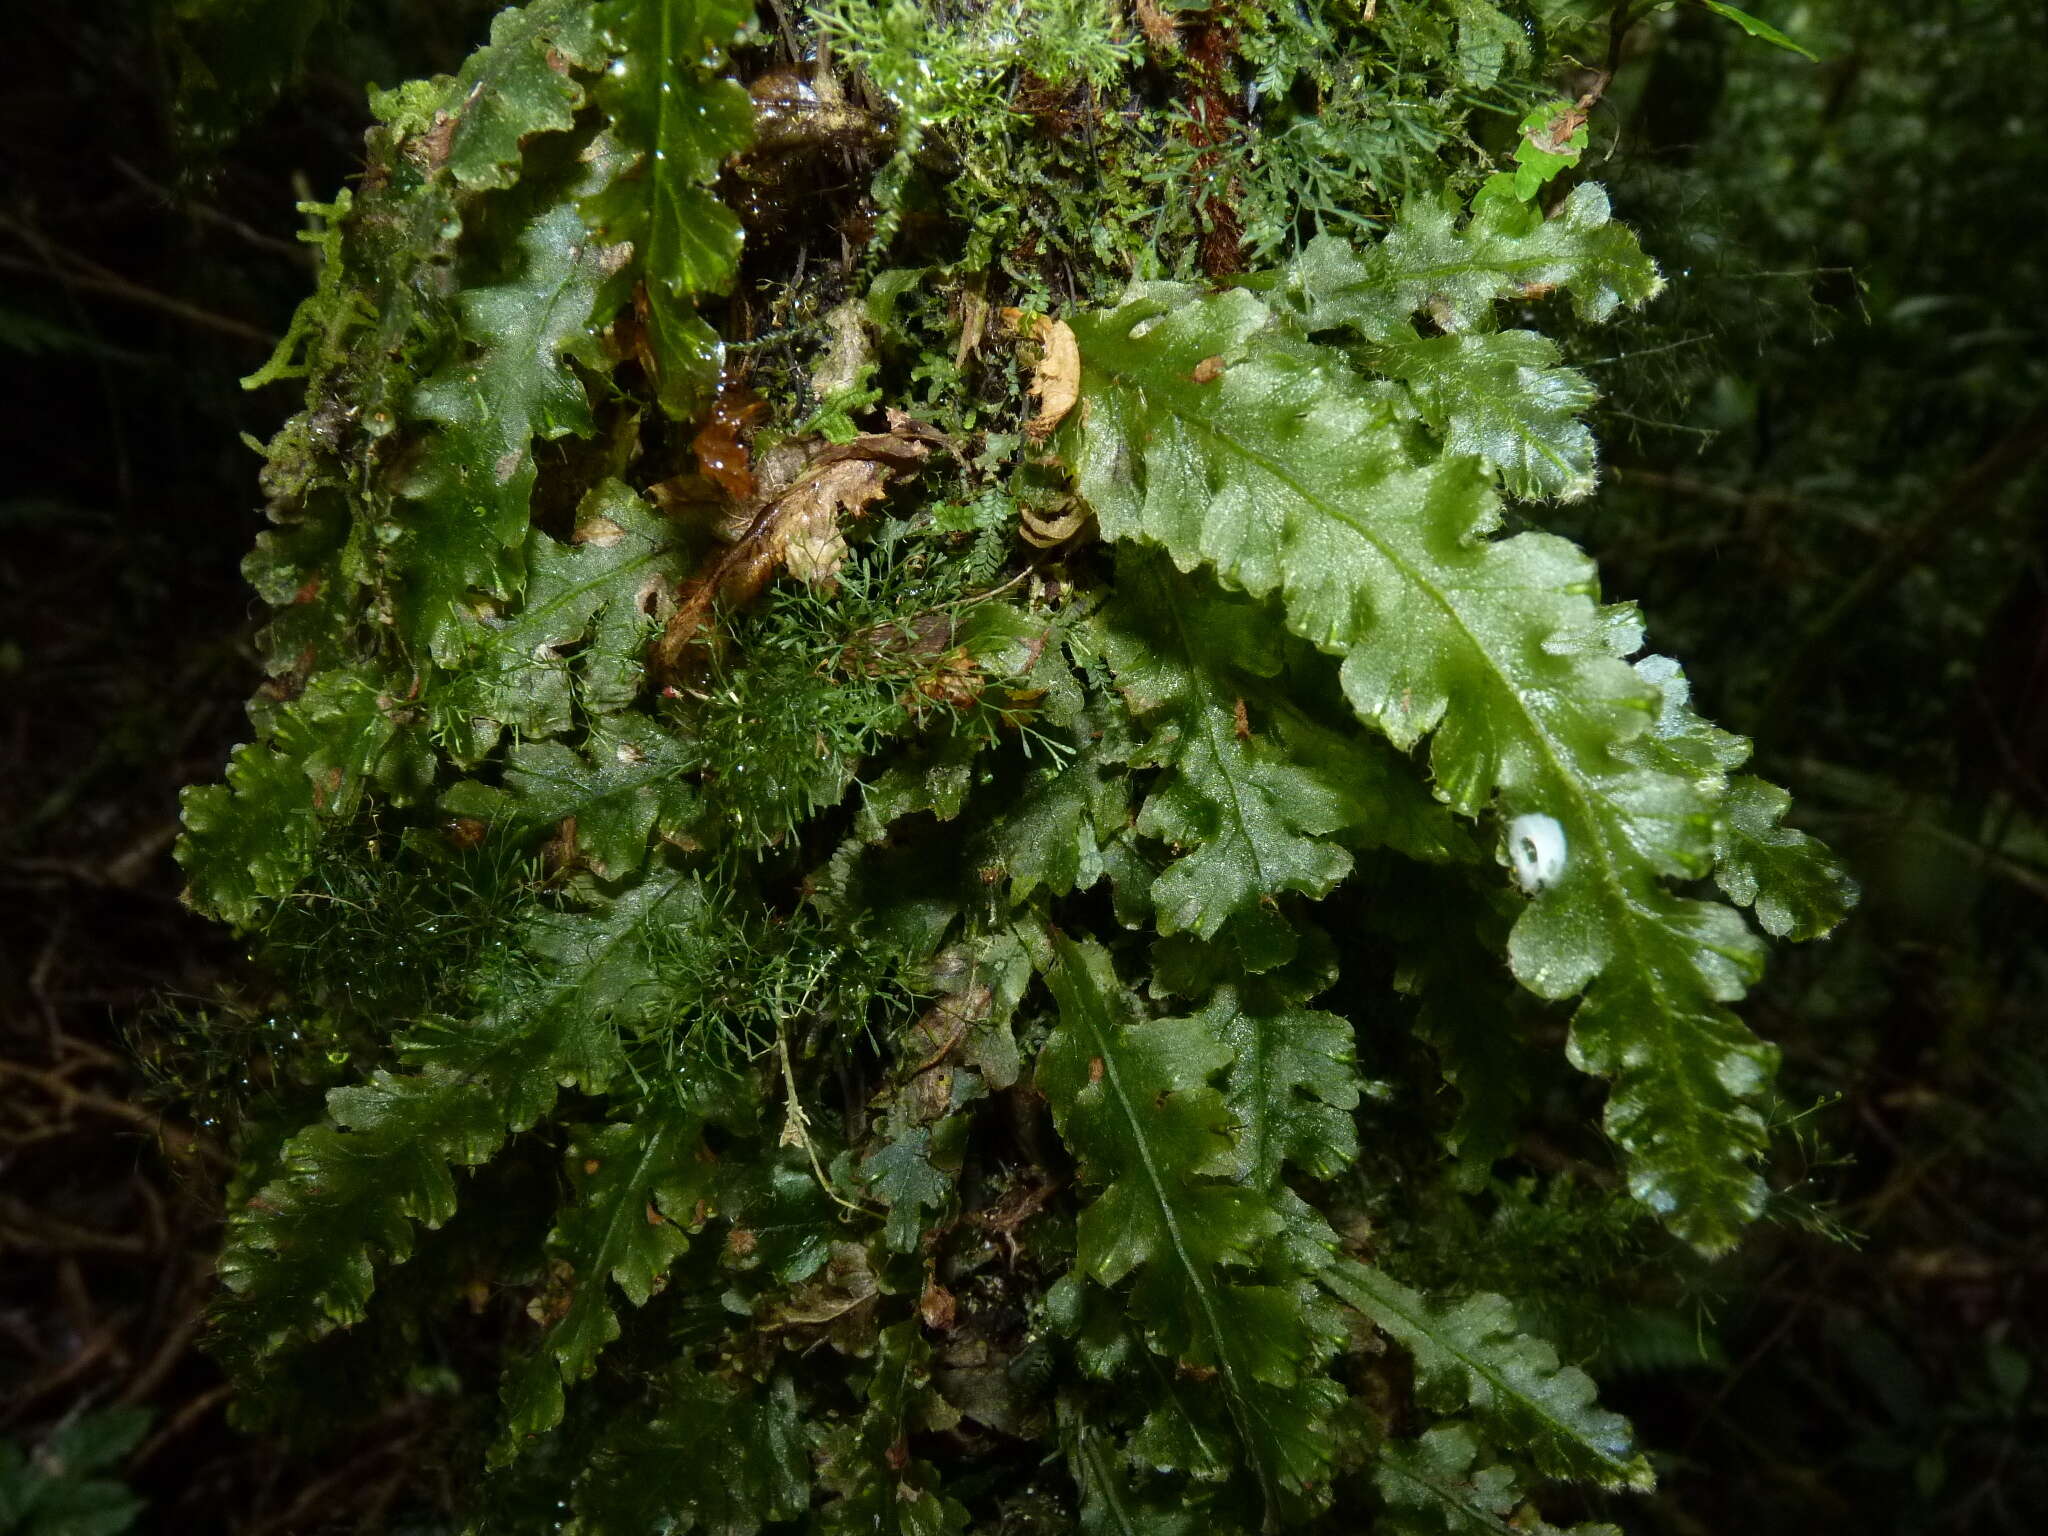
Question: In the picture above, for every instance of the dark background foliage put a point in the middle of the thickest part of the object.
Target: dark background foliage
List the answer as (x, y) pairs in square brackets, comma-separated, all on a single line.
[(1825, 448)]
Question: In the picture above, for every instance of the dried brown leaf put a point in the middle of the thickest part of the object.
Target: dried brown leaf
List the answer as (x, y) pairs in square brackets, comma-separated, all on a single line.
[(805, 537), (1159, 28), (795, 526), (1056, 380), (1045, 532)]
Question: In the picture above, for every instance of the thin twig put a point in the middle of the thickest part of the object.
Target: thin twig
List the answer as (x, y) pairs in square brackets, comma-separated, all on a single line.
[(299, 253), (53, 1083), (76, 271), (180, 1422), (1969, 496)]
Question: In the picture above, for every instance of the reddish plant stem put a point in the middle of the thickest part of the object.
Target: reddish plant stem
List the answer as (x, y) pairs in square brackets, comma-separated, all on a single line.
[(1210, 46)]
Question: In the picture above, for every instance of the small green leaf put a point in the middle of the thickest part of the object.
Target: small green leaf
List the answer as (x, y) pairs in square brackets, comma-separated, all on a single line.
[(253, 839), (250, 840), (1501, 397), (1553, 136), (636, 1188), (786, 1217), (94, 1441), (901, 1173), (51, 1491), (1474, 1354), (680, 123), (1797, 889), (1762, 30)]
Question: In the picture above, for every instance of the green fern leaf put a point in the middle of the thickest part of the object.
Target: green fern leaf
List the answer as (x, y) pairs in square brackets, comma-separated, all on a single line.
[(681, 123), (1058, 833), (637, 1189), (1206, 428), (1255, 803), (901, 1173), (1133, 1103), (1430, 264), (249, 840), (621, 785), (252, 840), (465, 133), (1500, 397), (717, 1456), (1432, 1485), (1257, 823), (300, 1258), (1444, 1484), (1797, 888), (1292, 1086), (882, 1492), (1109, 1505), (473, 487), (578, 635), (1487, 38), (506, 91), (1473, 1354)]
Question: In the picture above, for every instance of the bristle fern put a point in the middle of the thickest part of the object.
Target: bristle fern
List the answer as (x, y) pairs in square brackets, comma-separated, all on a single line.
[(929, 963)]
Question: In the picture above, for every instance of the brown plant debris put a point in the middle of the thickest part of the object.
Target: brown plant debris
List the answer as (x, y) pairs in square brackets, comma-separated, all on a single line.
[(1043, 531), (720, 446), (1056, 380), (795, 525), (1160, 29)]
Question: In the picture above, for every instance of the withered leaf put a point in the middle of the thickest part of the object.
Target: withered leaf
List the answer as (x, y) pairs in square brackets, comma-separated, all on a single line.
[(795, 526), (1056, 380), (1160, 29), (805, 537), (1044, 532)]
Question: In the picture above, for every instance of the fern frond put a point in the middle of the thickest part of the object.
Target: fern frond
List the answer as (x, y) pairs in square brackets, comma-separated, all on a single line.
[(1209, 428), (1134, 1103), (301, 1257), (679, 123), (640, 1189), (1475, 1355)]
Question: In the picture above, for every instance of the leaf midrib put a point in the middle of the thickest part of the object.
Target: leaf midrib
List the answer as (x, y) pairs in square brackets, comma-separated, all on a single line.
[(1095, 1011), (1210, 717), (1350, 1280), (1618, 898), (593, 1291)]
